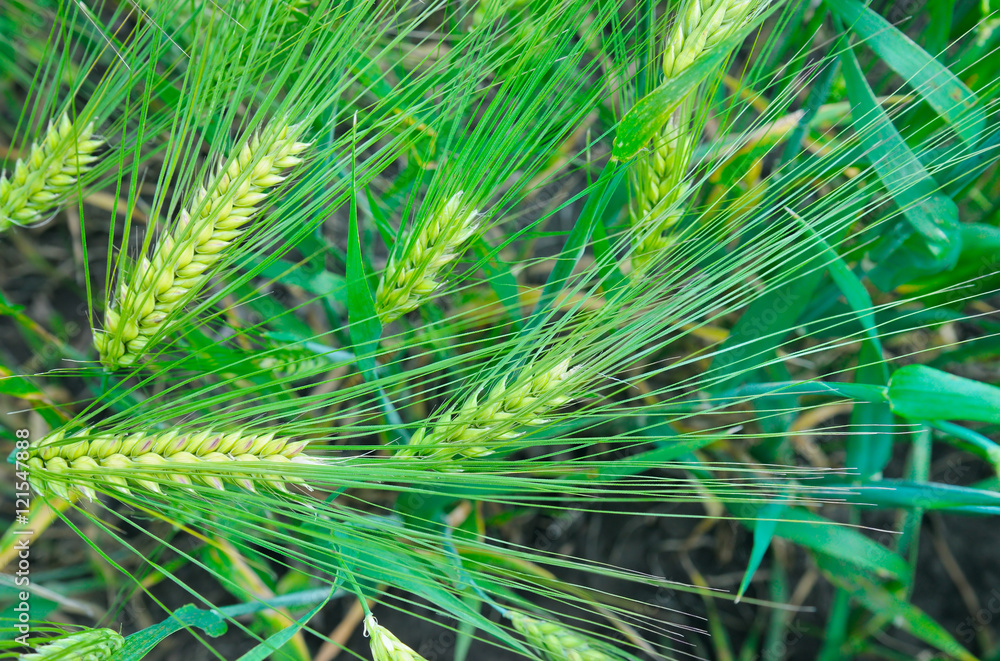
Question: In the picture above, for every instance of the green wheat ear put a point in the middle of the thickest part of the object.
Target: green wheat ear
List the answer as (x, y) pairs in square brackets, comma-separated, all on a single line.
[(182, 261), (49, 174), (482, 422), (558, 643), (658, 179), (410, 278), (73, 464), (385, 646), (89, 645)]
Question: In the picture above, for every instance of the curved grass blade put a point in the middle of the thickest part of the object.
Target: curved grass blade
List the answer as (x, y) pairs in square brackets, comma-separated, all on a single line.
[(576, 242), (274, 642), (869, 452), (926, 495), (893, 608), (930, 213), (212, 622), (942, 90), (828, 538), (651, 112), (365, 327)]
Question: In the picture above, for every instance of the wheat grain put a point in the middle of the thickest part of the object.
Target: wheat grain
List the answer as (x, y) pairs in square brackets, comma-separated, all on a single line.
[(291, 363), (700, 26), (558, 643), (181, 262), (658, 180), (72, 464), (410, 278), (89, 645), (49, 174), (480, 423), (385, 646)]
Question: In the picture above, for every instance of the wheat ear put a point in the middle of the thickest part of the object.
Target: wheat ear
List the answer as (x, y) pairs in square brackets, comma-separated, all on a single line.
[(658, 180), (89, 645), (411, 277), (556, 642), (481, 422), (291, 363), (385, 646), (181, 262), (75, 463), (49, 174)]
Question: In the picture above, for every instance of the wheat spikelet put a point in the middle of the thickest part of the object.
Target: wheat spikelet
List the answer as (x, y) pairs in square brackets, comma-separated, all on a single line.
[(701, 25), (68, 463), (659, 179), (182, 260), (481, 422), (656, 206), (89, 645), (49, 174), (385, 646), (410, 278), (289, 363), (556, 642)]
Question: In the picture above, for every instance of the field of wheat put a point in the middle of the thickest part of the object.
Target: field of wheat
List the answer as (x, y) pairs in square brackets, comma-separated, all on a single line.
[(571, 330)]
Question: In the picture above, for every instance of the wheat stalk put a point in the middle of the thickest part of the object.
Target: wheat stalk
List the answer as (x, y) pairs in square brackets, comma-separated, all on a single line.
[(63, 463), (181, 262), (49, 174), (658, 179), (89, 645), (479, 423), (412, 277), (556, 642), (385, 646)]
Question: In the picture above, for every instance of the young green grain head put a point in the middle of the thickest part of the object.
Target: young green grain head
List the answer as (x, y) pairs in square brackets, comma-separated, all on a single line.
[(182, 261), (385, 646), (658, 180), (558, 643), (73, 464), (48, 175), (411, 277), (483, 422), (89, 645)]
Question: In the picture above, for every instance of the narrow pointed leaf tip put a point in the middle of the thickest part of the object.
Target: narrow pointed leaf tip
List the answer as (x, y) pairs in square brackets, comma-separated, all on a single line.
[(71, 465), (182, 261)]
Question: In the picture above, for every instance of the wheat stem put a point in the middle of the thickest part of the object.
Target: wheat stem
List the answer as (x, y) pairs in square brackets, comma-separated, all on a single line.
[(182, 261), (71, 465), (385, 646), (473, 429), (410, 278), (88, 645), (49, 174)]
